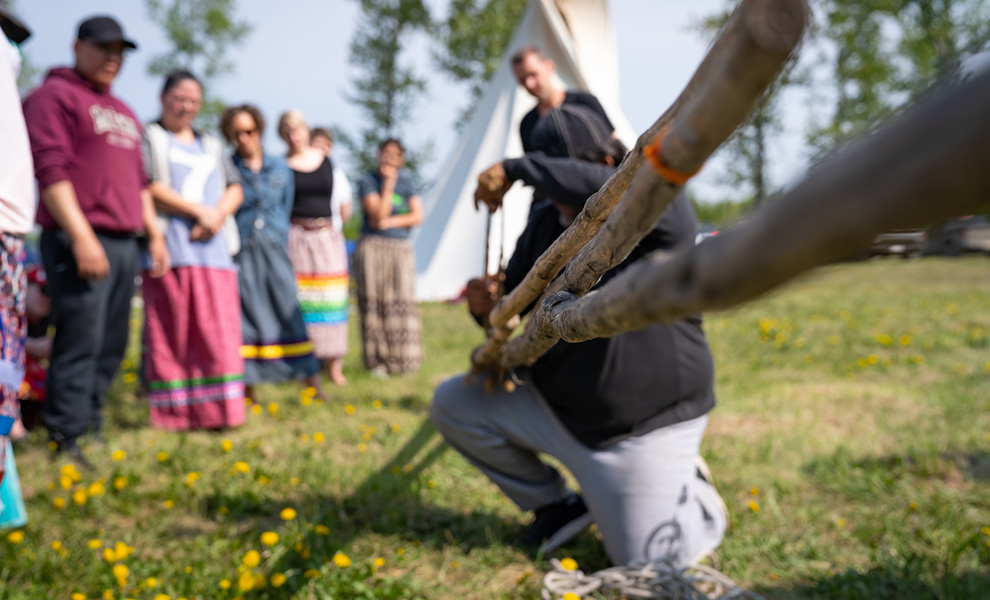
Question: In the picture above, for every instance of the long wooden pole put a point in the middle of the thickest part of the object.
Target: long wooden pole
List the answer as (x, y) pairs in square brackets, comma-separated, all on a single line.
[(928, 165)]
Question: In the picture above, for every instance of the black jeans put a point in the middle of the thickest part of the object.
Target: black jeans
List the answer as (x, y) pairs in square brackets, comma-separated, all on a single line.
[(92, 322)]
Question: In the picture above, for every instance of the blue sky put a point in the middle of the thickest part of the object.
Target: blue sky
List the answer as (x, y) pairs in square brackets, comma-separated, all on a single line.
[(296, 57)]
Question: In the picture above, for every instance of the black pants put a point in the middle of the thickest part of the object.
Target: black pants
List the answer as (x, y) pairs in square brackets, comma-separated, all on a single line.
[(92, 321)]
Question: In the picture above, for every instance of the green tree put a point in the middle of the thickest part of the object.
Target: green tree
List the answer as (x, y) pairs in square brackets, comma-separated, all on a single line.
[(472, 41), (201, 33), (746, 152), (887, 52), (386, 90)]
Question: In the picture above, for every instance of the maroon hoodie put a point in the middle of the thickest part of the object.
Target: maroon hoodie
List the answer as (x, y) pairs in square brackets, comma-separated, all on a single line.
[(85, 135)]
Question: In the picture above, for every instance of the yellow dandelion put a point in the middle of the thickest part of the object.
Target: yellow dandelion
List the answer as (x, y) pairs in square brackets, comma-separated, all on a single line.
[(79, 497), (169, 504), (985, 530), (59, 503), (349, 409), (379, 562), (277, 580), (318, 437), (129, 377), (118, 455), (362, 447), (252, 559), (905, 340), (163, 597), (376, 404), (269, 538), (913, 505), (56, 545), (120, 573), (294, 481), (273, 408), (78, 596), (309, 391), (753, 506), (287, 514), (122, 550), (241, 467), (569, 564), (754, 491), (188, 570), (431, 484), (107, 595), (306, 400), (840, 523), (395, 427), (119, 483), (322, 530), (65, 481), (256, 409), (53, 446), (245, 582), (407, 468), (223, 510), (162, 456), (400, 551), (341, 560), (227, 445), (570, 596), (109, 555), (94, 544), (224, 584), (311, 573), (151, 582), (96, 489), (191, 478)]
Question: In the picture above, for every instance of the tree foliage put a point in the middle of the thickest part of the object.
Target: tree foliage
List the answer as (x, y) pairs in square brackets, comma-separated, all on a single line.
[(201, 33), (746, 152), (472, 40), (387, 89), (887, 52)]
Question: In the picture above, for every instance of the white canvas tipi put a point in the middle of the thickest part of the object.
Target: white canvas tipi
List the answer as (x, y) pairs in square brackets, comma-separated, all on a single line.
[(450, 245)]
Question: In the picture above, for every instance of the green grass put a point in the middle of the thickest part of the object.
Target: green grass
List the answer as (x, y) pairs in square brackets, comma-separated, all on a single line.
[(851, 443)]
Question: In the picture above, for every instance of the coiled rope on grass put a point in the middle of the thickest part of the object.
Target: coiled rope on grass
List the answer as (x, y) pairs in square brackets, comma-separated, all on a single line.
[(657, 581)]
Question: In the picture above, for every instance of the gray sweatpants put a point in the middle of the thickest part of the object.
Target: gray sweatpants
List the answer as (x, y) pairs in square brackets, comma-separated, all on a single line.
[(643, 492)]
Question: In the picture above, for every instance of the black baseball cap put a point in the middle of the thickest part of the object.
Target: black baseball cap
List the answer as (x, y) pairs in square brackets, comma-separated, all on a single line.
[(13, 28), (103, 30)]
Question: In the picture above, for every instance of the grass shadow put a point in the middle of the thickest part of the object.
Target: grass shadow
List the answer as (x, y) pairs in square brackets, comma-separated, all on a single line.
[(910, 580)]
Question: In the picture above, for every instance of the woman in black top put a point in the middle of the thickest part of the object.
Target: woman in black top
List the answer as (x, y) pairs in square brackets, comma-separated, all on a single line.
[(316, 245)]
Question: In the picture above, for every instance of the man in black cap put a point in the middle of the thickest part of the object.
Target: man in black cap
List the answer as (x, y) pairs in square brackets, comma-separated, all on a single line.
[(86, 145)]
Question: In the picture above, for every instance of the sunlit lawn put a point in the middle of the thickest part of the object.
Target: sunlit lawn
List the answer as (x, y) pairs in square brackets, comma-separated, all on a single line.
[(851, 443)]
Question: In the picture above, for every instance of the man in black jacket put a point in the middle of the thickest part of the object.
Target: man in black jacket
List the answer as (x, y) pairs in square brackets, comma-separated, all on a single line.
[(625, 415)]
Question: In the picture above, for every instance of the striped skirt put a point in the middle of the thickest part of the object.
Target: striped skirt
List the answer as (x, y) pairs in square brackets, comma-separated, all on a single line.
[(319, 258), (276, 346), (192, 359), (385, 273), (13, 330)]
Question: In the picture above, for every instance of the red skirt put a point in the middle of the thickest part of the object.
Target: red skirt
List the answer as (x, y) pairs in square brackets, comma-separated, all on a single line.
[(192, 361)]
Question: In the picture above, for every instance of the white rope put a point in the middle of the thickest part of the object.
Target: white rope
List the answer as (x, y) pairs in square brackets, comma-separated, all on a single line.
[(657, 581)]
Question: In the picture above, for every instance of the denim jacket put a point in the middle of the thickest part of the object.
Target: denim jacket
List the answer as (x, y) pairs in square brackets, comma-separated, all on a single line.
[(268, 198)]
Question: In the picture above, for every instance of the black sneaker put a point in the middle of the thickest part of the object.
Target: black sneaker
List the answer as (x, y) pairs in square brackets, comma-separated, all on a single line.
[(557, 523)]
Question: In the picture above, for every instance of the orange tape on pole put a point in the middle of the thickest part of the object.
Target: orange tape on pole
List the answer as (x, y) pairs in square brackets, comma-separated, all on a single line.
[(654, 154)]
